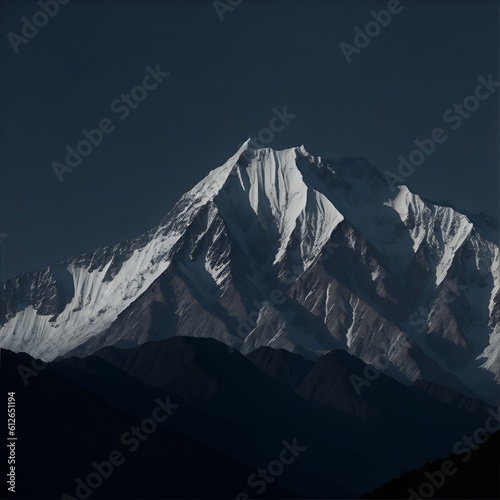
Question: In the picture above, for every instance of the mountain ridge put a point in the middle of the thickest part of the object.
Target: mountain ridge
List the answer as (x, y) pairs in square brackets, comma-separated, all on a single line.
[(230, 405), (260, 223)]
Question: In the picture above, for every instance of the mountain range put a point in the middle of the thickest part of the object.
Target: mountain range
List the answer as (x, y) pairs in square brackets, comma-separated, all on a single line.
[(230, 415), (286, 250), (310, 329)]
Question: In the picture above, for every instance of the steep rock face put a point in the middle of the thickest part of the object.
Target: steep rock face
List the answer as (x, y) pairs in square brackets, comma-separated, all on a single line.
[(286, 250)]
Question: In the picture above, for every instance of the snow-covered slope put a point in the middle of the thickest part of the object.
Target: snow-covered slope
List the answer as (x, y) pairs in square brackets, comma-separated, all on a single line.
[(284, 249)]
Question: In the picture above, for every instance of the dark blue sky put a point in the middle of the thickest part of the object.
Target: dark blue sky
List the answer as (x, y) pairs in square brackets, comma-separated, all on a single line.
[(225, 79)]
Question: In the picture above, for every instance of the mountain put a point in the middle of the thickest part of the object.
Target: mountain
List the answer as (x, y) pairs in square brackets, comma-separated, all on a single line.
[(288, 368), (449, 396), (474, 474), (286, 250), (230, 418), (67, 427), (331, 380)]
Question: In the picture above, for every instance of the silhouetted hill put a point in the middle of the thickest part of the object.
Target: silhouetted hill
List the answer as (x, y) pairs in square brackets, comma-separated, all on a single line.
[(289, 368), (232, 416), (478, 477), (62, 428)]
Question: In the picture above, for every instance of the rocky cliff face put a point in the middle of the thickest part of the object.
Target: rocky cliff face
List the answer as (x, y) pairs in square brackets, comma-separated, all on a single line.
[(286, 250)]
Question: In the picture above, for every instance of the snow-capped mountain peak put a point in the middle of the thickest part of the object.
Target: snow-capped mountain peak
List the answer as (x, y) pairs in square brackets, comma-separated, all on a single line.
[(284, 249)]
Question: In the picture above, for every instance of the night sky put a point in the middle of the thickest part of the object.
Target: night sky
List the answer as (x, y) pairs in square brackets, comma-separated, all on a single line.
[(225, 80)]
